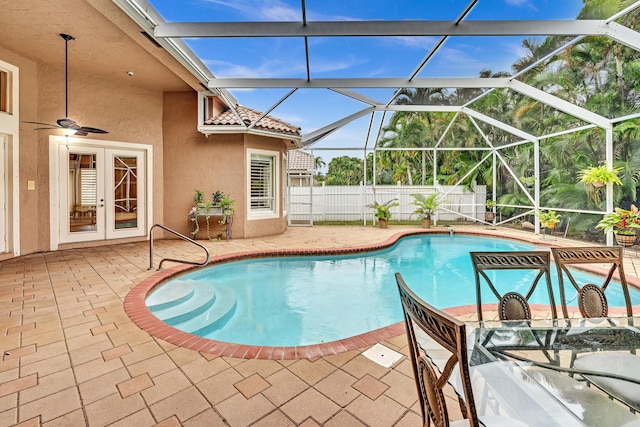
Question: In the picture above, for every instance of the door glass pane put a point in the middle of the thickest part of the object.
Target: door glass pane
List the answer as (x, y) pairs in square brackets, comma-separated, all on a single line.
[(83, 195), (125, 192)]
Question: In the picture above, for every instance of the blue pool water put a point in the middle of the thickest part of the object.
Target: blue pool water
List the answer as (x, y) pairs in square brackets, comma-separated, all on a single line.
[(290, 301)]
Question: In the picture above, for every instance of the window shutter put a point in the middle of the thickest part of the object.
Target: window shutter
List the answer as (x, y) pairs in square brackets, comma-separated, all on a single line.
[(88, 187), (262, 191)]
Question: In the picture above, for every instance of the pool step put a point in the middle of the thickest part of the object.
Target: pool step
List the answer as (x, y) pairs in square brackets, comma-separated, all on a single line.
[(199, 302), (169, 296), (215, 317)]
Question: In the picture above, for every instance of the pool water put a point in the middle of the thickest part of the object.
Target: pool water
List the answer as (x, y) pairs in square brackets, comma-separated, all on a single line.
[(290, 301)]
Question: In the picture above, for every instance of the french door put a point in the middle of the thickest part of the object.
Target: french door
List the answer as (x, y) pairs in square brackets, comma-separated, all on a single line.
[(101, 193)]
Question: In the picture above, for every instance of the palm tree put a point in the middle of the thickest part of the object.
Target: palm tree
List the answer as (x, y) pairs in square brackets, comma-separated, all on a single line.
[(319, 163)]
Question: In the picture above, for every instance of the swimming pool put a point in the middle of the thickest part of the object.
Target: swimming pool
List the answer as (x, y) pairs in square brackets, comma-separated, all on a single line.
[(293, 301)]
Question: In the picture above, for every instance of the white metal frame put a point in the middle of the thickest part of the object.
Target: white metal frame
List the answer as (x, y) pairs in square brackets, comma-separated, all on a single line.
[(170, 35)]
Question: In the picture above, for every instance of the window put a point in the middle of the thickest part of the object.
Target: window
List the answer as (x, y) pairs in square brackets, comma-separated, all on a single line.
[(263, 183), (4, 92)]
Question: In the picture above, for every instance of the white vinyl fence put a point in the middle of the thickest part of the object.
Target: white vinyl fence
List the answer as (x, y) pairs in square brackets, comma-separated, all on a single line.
[(349, 203)]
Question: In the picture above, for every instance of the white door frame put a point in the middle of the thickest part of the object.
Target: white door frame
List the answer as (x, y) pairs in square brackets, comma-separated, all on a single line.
[(10, 129), (55, 142)]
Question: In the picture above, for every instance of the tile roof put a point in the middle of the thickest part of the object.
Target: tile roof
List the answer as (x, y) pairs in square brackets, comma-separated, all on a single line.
[(300, 160), (248, 115)]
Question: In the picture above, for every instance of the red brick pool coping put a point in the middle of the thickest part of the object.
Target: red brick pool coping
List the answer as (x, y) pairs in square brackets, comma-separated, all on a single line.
[(136, 309)]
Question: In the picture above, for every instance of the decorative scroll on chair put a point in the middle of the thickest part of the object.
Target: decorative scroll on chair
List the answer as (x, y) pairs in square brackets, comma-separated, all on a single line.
[(592, 300), (512, 305)]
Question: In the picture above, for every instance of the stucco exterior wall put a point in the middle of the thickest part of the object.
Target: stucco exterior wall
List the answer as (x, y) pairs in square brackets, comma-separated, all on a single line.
[(130, 114), (28, 152), (193, 161)]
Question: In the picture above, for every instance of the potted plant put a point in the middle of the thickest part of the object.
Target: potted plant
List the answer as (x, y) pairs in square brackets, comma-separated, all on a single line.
[(200, 207), (528, 181), (490, 214), (624, 224), (198, 197), (382, 211), (225, 204), (425, 207), (599, 176), (216, 198), (549, 219)]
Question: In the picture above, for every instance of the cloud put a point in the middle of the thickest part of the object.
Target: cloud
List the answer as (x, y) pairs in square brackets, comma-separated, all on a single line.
[(521, 3), (267, 69), (296, 119), (419, 42), (261, 10), (459, 58), (275, 10)]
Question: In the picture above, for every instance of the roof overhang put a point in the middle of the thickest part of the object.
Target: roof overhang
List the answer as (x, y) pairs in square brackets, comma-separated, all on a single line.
[(291, 141)]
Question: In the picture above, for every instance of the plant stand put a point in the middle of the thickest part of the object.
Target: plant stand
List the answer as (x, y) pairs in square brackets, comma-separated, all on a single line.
[(626, 240), (214, 214), (544, 232)]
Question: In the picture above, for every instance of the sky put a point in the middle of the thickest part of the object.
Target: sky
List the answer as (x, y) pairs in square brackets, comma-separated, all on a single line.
[(344, 57)]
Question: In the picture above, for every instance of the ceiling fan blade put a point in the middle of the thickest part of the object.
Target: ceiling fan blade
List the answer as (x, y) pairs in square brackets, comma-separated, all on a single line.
[(53, 127), (81, 132), (91, 130), (39, 123)]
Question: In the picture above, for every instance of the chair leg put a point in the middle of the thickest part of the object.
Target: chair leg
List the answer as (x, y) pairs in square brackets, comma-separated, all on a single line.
[(463, 407)]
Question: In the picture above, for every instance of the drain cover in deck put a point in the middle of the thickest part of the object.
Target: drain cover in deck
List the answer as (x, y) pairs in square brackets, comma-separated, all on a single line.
[(382, 355)]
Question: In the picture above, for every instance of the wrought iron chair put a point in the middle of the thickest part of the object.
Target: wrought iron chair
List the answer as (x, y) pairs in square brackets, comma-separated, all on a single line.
[(592, 303), (512, 305), (432, 372), (449, 333)]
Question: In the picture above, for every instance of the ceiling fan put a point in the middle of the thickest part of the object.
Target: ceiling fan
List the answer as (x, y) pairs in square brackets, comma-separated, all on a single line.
[(69, 126)]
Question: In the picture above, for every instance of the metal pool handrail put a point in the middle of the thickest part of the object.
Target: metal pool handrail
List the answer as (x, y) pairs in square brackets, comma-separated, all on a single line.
[(183, 237)]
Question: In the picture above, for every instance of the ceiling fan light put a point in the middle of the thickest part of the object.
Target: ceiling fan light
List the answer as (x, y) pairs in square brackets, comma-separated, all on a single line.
[(69, 132)]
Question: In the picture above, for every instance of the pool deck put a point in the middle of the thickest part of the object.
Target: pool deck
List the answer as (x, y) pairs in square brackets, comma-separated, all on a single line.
[(71, 356)]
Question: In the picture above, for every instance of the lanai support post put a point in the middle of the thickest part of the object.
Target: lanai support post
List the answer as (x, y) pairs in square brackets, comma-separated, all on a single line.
[(495, 180), (434, 166), (363, 187), (609, 162), (536, 188)]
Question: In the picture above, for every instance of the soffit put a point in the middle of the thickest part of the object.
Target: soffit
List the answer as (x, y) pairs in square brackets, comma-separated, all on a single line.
[(108, 44)]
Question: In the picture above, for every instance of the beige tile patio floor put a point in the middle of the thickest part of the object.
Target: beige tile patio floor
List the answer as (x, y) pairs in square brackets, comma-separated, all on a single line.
[(72, 357)]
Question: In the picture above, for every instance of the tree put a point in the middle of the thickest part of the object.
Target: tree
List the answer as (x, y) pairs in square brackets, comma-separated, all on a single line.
[(319, 163), (345, 170)]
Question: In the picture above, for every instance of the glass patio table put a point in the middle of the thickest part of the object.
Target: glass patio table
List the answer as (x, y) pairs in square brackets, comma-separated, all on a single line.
[(528, 370)]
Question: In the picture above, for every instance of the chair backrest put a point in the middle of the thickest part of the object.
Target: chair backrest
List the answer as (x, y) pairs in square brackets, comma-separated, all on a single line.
[(431, 377), (512, 305), (592, 300)]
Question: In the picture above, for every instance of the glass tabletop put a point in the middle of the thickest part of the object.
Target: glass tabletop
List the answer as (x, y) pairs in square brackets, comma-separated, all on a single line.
[(563, 334), (540, 371)]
